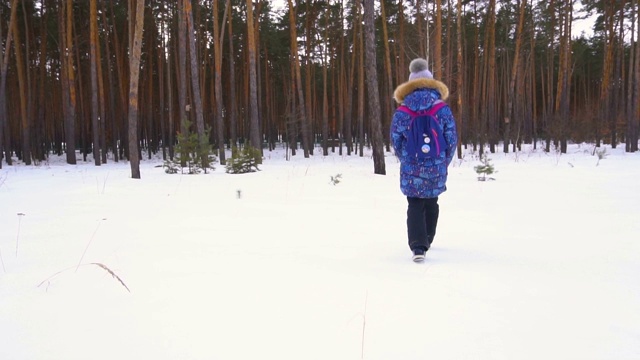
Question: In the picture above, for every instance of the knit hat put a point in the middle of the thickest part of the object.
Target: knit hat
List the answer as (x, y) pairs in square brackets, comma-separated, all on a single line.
[(419, 69)]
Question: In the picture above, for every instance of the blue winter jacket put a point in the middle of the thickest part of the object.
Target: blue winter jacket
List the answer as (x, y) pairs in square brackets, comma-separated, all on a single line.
[(423, 178)]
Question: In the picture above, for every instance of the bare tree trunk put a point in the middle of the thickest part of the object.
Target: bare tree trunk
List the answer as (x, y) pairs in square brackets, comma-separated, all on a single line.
[(309, 108), (459, 79), (491, 94), (304, 124), (372, 86), (361, 90), (134, 71), (41, 126), (437, 55), (348, 117), (113, 128), (195, 82), (514, 72), (70, 120), (605, 89), (388, 94), (325, 100), (233, 108), (93, 40), (341, 84), (636, 86), (254, 134), (4, 129), (218, 36), (101, 101), (183, 115)]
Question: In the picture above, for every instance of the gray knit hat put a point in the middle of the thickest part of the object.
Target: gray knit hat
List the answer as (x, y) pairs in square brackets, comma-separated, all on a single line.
[(419, 69)]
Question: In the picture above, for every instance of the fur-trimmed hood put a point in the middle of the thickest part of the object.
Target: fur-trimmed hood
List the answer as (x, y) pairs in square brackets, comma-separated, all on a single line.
[(403, 90)]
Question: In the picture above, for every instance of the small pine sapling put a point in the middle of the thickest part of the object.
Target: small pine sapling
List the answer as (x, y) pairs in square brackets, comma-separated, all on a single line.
[(243, 161), (192, 152), (485, 168)]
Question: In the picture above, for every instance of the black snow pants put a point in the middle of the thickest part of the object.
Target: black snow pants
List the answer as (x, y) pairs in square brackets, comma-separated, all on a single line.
[(422, 220)]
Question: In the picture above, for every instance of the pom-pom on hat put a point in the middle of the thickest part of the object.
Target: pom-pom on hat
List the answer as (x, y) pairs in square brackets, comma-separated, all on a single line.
[(419, 69)]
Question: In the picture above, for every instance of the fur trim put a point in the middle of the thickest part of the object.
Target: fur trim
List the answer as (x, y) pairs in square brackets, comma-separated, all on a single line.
[(407, 88)]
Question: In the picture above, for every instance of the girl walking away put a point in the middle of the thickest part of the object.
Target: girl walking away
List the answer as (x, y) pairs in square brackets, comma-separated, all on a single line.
[(424, 138)]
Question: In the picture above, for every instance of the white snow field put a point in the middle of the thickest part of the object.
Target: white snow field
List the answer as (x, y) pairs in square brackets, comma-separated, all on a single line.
[(541, 263)]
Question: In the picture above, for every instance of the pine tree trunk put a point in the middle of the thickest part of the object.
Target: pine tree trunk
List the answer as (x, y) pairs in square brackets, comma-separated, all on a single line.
[(68, 50), (512, 82), (254, 135), (113, 127), (491, 94), (183, 115), (437, 54), (195, 80), (304, 124), (387, 114), (134, 71), (218, 36), (636, 86), (605, 89), (372, 87), (460, 90), (233, 108), (325, 99), (93, 39), (309, 109), (41, 127), (361, 90), (4, 128)]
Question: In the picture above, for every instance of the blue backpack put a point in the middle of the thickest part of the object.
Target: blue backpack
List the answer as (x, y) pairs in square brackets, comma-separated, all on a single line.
[(425, 138)]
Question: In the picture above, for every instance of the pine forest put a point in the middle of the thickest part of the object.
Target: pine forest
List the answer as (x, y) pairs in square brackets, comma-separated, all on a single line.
[(114, 80)]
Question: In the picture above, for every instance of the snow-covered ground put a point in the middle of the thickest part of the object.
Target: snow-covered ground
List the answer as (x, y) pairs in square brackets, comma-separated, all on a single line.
[(541, 263)]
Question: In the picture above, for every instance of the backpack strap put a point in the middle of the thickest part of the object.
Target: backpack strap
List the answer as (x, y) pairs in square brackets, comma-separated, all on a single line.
[(437, 105), (405, 109)]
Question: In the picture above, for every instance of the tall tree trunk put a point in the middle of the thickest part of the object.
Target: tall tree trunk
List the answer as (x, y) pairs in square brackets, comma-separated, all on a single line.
[(218, 36), (361, 69), (70, 119), (491, 94), (304, 123), (4, 129), (195, 83), (388, 93), (183, 115), (605, 89), (348, 117), (630, 110), (325, 100), (134, 71), (93, 40), (437, 54), (254, 134), (41, 126), (233, 108), (113, 127), (514, 71), (101, 101), (565, 75), (459, 79), (309, 109), (636, 86), (372, 86), (341, 83), (402, 55), (549, 104)]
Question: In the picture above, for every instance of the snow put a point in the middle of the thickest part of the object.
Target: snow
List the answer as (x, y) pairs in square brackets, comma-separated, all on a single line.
[(541, 263)]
